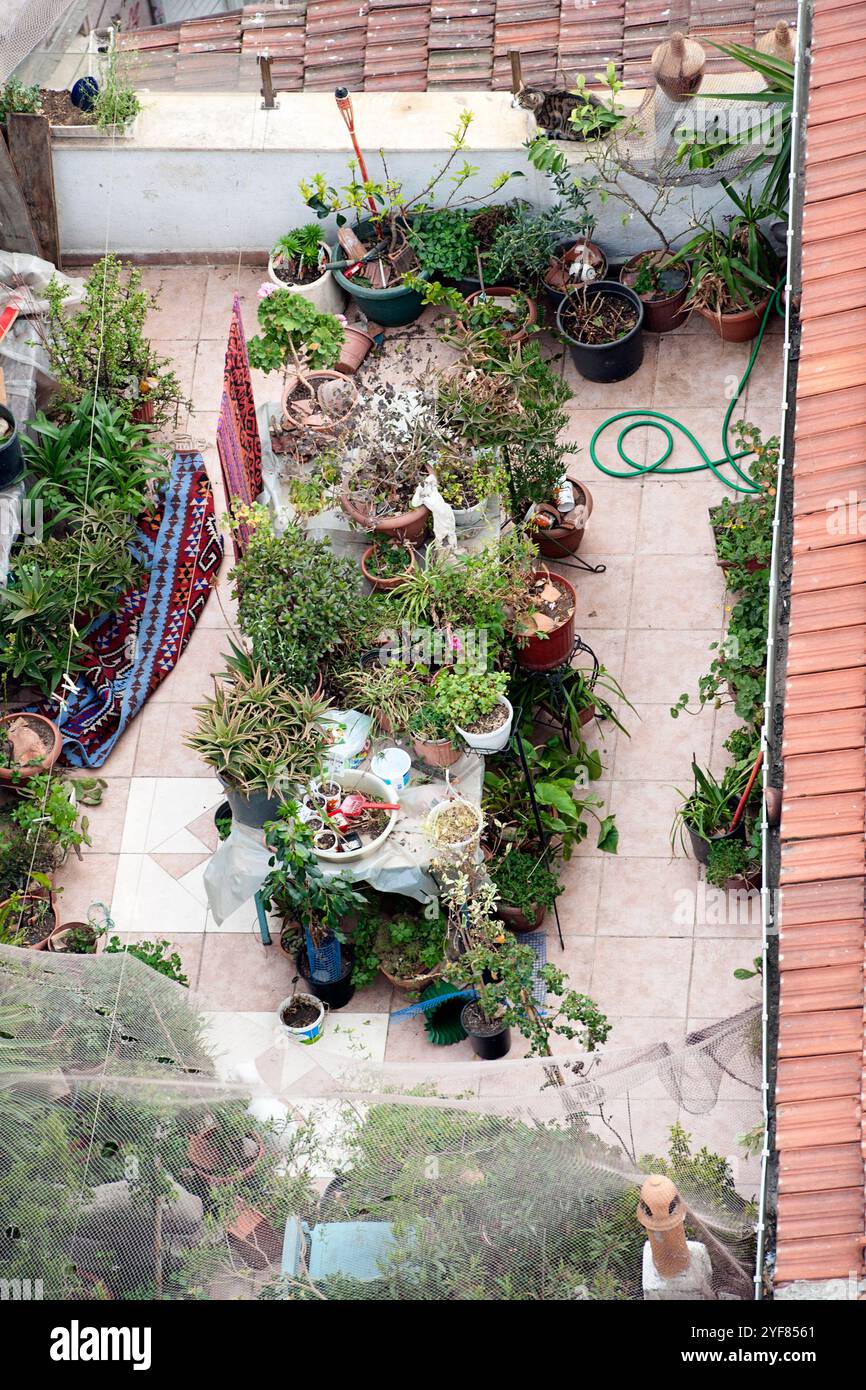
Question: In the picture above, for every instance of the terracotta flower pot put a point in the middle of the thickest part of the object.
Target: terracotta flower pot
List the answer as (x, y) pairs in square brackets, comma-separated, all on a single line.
[(556, 541), (356, 346), (436, 752), (546, 653), (210, 1164), (321, 419), (514, 335), (557, 281), (662, 313), (21, 774), (40, 897), (740, 327), (380, 585), (56, 940), (406, 526), (517, 921)]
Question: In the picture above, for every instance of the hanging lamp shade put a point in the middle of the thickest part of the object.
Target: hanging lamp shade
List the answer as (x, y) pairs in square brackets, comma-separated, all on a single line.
[(678, 66), (780, 42)]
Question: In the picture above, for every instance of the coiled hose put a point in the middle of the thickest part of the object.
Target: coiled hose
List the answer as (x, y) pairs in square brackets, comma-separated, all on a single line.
[(665, 424)]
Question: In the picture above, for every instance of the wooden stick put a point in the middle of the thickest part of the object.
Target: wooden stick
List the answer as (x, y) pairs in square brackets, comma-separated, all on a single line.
[(516, 71)]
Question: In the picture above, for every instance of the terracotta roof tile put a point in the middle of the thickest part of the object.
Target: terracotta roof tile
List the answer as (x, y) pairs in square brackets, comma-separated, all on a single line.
[(831, 690), (809, 1216), (808, 817), (833, 650), (830, 1257), (834, 985), (815, 1123), (823, 1168), (827, 608), (805, 1078), (824, 732), (834, 856), (822, 488), (834, 567), (822, 901), (817, 774)]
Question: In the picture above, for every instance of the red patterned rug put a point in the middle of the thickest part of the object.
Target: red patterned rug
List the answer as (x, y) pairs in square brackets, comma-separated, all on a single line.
[(238, 443), (134, 648)]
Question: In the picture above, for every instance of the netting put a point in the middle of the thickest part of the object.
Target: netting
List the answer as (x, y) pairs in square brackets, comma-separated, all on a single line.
[(148, 1150), (26, 25)]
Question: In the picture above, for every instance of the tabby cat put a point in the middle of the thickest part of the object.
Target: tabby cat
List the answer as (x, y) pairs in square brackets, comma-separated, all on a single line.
[(552, 110)]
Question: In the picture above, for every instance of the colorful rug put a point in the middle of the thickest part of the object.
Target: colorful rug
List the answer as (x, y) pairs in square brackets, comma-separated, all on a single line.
[(238, 443), (133, 649)]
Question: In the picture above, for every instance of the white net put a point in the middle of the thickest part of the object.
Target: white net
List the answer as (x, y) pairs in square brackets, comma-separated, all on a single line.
[(139, 1160)]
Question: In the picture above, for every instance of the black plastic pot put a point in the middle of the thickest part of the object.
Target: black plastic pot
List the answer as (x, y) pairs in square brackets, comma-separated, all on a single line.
[(253, 810), (701, 847), (606, 361), (11, 459), (335, 993), (488, 1046)]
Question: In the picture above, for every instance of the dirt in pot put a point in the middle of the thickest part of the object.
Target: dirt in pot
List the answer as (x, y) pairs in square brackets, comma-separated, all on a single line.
[(596, 319), (493, 719), (57, 106), (291, 275), (553, 603), (457, 823), (35, 920), (482, 1027), (299, 1013)]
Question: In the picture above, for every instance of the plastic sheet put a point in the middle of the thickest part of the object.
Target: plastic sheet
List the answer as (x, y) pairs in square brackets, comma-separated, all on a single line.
[(23, 359)]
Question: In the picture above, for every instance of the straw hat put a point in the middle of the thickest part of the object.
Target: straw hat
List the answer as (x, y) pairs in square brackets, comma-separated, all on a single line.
[(678, 66), (780, 42)]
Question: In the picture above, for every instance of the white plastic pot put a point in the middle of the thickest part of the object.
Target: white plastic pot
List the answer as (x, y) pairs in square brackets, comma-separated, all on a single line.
[(376, 790), (324, 293), (465, 518), (311, 1032), (459, 847), (496, 739)]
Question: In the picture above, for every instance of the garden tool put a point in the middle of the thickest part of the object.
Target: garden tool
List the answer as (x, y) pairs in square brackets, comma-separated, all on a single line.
[(741, 804), (344, 106), (355, 804)]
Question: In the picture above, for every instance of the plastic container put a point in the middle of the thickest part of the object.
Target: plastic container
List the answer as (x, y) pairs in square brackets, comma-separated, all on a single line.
[(488, 1046), (334, 994), (324, 293), (493, 741), (310, 1032), (352, 729), (394, 766), (373, 787)]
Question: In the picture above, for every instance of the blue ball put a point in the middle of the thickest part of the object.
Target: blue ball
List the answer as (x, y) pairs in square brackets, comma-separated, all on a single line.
[(84, 93)]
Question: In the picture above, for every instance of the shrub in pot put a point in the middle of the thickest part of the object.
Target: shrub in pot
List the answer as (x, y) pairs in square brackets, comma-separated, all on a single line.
[(526, 887), (392, 693), (312, 904), (296, 597), (433, 736), (602, 325), (559, 776), (293, 331), (389, 443), (706, 813), (733, 272), (468, 482), (385, 563), (263, 738), (474, 704), (406, 946)]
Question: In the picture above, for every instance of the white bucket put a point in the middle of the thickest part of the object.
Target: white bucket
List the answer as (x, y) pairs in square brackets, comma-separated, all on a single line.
[(394, 766), (311, 1032)]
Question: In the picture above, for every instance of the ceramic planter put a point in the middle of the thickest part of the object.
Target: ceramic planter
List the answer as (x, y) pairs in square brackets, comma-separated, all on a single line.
[(52, 753), (486, 1044), (404, 526), (11, 458), (546, 653), (324, 383), (556, 541), (306, 1033), (740, 327), (324, 293), (60, 935), (392, 307), (662, 313), (380, 584), (526, 314), (496, 739), (606, 362)]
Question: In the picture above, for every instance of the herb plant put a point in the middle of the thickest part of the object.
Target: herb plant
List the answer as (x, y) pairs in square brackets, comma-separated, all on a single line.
[(294, 331), (524, 881)]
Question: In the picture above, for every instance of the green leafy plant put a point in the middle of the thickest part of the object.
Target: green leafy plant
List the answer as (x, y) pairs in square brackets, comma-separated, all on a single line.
[(525, 881), (101, 347), (461, 697), (560, 779), (259, 734), (296, 597), (406, 944), (21, 855), (444, 243), (389, 558), (707, 810), (729, 859), (393, 693), (116, 103), (299, 252), (578, 691), (97, 456), (522, 247), (294, 331), (467, 480), (18, 99), (296, 886), (47, 807), (594, 118), (732, 268), (157, 954)]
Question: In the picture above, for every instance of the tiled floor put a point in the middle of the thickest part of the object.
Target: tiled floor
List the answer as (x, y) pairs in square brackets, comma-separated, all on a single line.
[(638, 935)]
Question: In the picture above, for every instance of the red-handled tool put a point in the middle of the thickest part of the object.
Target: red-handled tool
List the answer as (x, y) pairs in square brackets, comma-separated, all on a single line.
[(741, 804), (354, 804)]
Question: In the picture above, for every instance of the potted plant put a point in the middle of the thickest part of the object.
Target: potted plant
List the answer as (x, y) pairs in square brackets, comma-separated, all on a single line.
[(299, 261), (373, 260), (432, 736), (602, 322), (564, 801), (302, 1017), (82, 938), (468, 481), (544, 632), (407, 947), (312, 905), (526, 888), (296, 598), (29, 744), (11, 461), (29, 916), (707, 812), (227, 1150), (575, 261), (735, 864), (582, 695), (445, 243), (662, 287), (385, 563), (388, 446), (293, 331), (263, 738), (454, 828), (392, 692), (475, 705), (733, 272)]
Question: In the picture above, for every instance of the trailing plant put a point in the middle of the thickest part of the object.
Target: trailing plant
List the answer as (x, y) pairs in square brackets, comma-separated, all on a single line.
[(22, 855), (525, 881), (294, 331), (101, 347), (743, 529), (259, 734), (444, 243), (157, 954), (296, 597)]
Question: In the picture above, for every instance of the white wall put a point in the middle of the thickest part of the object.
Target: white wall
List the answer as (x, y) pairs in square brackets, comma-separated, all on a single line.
[(212, 172)]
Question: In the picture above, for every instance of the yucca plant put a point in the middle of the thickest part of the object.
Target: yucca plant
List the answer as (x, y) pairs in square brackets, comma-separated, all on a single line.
[(732, 267), (260, 734), (779, 94)]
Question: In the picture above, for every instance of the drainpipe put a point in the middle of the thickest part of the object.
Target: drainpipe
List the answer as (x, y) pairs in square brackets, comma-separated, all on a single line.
[(768, 908)]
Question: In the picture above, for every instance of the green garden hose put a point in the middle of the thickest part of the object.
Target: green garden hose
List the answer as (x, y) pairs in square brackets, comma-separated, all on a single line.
[(656, 419)]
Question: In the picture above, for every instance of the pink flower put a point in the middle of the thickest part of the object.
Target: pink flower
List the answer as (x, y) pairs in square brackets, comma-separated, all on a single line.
[(341, 319), (456, 644), (267, 289)]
